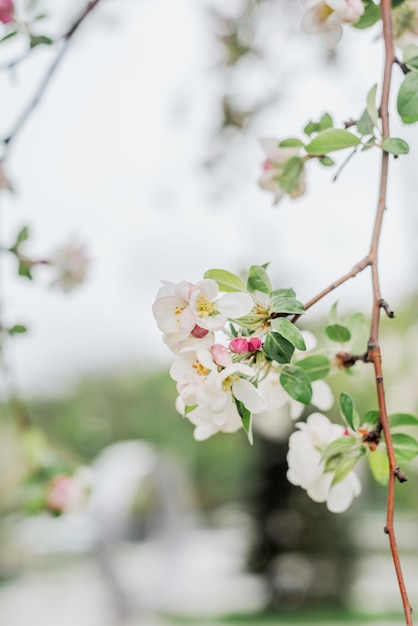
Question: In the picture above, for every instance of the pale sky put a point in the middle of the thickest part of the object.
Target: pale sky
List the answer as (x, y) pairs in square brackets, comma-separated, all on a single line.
[(112, 157)]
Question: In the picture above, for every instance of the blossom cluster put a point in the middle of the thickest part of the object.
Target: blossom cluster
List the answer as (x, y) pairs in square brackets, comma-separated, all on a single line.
[(223, 382)]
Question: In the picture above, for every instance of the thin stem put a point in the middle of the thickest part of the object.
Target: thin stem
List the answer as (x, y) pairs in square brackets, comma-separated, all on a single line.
[(37, 96)]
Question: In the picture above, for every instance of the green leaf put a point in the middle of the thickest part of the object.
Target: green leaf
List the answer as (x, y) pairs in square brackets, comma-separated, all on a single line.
[(289, 179), (311, 127), (410, 57), (226, 280), (325, 122), (338, 333), (405, 447), (359, 329), (287, 293), (370, 16), (396, 3), (289, 331), (343, 468), (326, 160), (407, 101), (402, 419), (258, 279), (348, 411), (371, 417), (24, 270), (333, 314), (21, 236), (393, 145), (292, 142), (40, 40), (277, 348), (315, 366), (331, 140), (245, 415), (13, 33), (297, 384), (365, 124), (342, 445), (379, 465), (17, 329), (371, 105), (286, 304), (188, 409)]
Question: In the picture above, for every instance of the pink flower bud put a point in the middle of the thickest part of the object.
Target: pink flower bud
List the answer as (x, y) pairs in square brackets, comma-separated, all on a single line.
[(6, 11), (254, 344), (221, 355), (199, 332), (239, 345)]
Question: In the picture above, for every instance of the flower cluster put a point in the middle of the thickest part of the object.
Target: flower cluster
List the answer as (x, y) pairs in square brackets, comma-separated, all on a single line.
[(234, 343)]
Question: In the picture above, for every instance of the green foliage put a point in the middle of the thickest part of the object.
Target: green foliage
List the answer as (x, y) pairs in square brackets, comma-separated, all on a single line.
[(370, 16), (258, 279), (338, 333), (245, 415), (289, 179), (296, 382), (407, 101), (395, 146), (349, 412), (289, 331), (226, 280), (284, 301), (277, 348), (315, 366), (331, 140)]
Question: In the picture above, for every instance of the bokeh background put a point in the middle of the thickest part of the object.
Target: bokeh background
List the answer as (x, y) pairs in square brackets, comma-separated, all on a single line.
[(145, 148)]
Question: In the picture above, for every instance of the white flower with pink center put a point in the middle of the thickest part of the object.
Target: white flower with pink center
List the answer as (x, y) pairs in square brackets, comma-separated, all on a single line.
[(307, 467), (273, 167), (326, 18)]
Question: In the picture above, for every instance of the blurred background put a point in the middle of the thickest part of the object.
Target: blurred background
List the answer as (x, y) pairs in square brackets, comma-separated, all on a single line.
[(144, 148)]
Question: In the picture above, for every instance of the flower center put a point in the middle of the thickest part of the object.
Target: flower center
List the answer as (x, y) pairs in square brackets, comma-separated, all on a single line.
[(227, 383), (324, 12), (205, 307), (200, 369)]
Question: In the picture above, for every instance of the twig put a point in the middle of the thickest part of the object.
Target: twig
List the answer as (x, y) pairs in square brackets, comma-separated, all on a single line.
[(21, 120)]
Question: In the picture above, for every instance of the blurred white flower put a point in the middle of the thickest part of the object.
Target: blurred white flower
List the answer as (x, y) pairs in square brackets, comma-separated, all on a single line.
[(307, 468), (70, 493), (274, 166), (326, 18), (71, 263)]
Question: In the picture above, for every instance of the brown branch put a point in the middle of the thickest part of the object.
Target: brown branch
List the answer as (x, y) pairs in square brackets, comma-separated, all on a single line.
[(40, 91), (374, 353), (351, 274)]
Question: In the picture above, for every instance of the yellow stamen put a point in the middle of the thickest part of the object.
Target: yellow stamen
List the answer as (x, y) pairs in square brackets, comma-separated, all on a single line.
[(205, 307), (200, 369), (324, 12)]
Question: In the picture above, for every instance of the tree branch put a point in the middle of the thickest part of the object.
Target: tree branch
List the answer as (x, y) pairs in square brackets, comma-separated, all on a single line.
[(40, 91)]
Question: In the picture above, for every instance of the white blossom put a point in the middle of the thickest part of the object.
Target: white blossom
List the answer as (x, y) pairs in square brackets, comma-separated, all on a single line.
[(307, 468), (274, 165), (326, 18), (71, 263)]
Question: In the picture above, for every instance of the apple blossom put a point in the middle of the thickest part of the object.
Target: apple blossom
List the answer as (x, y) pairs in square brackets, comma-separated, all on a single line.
[(185, 310), (71, 262), (242, 345), (6, 11), (307, 466), (326, 18), (274, 167), (70, 493)]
